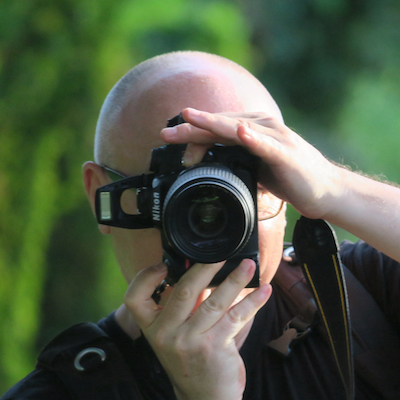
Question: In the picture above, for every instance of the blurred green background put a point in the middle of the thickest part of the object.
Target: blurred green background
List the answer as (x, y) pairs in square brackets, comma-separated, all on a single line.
[(332, 65)]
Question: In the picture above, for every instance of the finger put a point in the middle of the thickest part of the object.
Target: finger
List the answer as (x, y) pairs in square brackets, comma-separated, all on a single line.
[(194, 153), (185, 133), (192, 134), (138, 298), (180, 133), (214, 307), (246, 115), (253, 119), (207, 128), (241, 313), (183, 297), (266, 147), (199, 140), (202, 128), (219, 126), (225, 127)]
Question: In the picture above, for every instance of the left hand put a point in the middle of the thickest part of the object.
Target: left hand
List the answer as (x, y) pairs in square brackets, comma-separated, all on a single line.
[(292, 169)]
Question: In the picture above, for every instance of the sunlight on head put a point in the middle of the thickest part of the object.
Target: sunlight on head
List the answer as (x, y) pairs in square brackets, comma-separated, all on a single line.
[(139, 105)]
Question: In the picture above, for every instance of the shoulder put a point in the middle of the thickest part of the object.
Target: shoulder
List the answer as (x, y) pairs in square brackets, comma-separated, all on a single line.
[(368, 264), (89, 361), (38, 385), (81, 362), (378, 273), (359, 252)]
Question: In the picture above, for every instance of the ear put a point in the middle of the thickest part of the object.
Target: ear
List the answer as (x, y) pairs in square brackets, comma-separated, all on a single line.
[(93, 178)]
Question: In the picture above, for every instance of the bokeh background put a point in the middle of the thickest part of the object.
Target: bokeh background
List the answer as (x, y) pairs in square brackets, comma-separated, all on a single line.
[(332, 65)]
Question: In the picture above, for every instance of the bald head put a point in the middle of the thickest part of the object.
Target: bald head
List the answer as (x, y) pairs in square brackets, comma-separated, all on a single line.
[(139, 105)]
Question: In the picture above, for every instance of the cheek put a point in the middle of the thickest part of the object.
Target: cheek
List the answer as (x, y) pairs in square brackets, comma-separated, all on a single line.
[(136, 249), (271, 234)]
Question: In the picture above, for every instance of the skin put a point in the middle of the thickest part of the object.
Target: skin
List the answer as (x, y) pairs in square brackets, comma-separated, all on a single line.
[(197, 337), (298, 173), (145, 112), (199, 82)]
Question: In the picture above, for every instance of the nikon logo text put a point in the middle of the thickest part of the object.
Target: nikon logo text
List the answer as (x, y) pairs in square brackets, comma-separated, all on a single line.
[(156, 206)]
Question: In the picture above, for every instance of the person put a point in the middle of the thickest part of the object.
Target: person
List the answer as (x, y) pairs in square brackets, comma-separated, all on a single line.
[(212, 344)]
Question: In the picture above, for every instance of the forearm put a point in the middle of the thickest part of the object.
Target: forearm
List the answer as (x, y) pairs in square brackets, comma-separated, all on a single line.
[(369, 210)]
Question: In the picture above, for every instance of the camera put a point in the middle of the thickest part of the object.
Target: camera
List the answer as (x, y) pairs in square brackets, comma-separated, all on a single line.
[(206, 213)]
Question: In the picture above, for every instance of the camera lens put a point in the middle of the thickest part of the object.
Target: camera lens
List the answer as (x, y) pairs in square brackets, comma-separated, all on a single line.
[(208, 214)]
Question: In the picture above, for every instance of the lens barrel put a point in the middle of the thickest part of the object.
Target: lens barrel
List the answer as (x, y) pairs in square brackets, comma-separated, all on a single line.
[(208, 214)]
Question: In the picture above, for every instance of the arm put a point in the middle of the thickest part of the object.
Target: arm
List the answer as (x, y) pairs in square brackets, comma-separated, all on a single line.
[(370, 210), (296, 172)]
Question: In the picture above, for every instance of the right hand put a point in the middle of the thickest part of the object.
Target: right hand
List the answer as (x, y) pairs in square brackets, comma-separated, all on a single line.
[(198, 348)]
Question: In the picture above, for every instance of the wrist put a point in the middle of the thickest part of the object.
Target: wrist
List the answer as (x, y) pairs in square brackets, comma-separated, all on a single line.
[(336, 195), (325, 194)]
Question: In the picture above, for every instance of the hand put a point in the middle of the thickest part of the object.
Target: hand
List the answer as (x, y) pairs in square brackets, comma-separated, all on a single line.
[(197, 348), (292, 169)]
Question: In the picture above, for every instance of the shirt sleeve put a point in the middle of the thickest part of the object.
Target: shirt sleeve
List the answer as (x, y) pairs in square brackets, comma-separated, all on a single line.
[(378, 273)]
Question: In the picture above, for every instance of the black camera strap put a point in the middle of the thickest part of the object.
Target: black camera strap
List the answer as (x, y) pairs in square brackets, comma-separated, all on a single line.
[(318, 254)]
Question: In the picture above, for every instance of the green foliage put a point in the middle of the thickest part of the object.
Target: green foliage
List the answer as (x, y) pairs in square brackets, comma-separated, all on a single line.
[(369, 125), (332, 65), (58, 60)]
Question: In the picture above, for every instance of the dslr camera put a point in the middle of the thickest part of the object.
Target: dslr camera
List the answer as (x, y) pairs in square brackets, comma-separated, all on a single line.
[(206, 213)]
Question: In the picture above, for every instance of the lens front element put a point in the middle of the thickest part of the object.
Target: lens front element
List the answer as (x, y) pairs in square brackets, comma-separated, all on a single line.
[(208, 214)]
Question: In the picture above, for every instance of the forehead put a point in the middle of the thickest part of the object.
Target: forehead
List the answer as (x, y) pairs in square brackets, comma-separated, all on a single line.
[(159, 98)]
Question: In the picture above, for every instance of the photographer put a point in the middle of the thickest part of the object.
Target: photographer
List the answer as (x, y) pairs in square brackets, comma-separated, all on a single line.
[(213, 344)]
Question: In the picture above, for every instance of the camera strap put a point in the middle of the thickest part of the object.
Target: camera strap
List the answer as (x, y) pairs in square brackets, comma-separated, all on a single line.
[(318, 254)]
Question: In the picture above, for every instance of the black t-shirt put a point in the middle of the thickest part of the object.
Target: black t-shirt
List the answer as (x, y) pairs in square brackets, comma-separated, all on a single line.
[(309, 373)]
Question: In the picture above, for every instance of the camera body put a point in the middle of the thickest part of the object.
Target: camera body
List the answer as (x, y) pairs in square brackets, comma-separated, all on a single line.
[(206, 213)]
